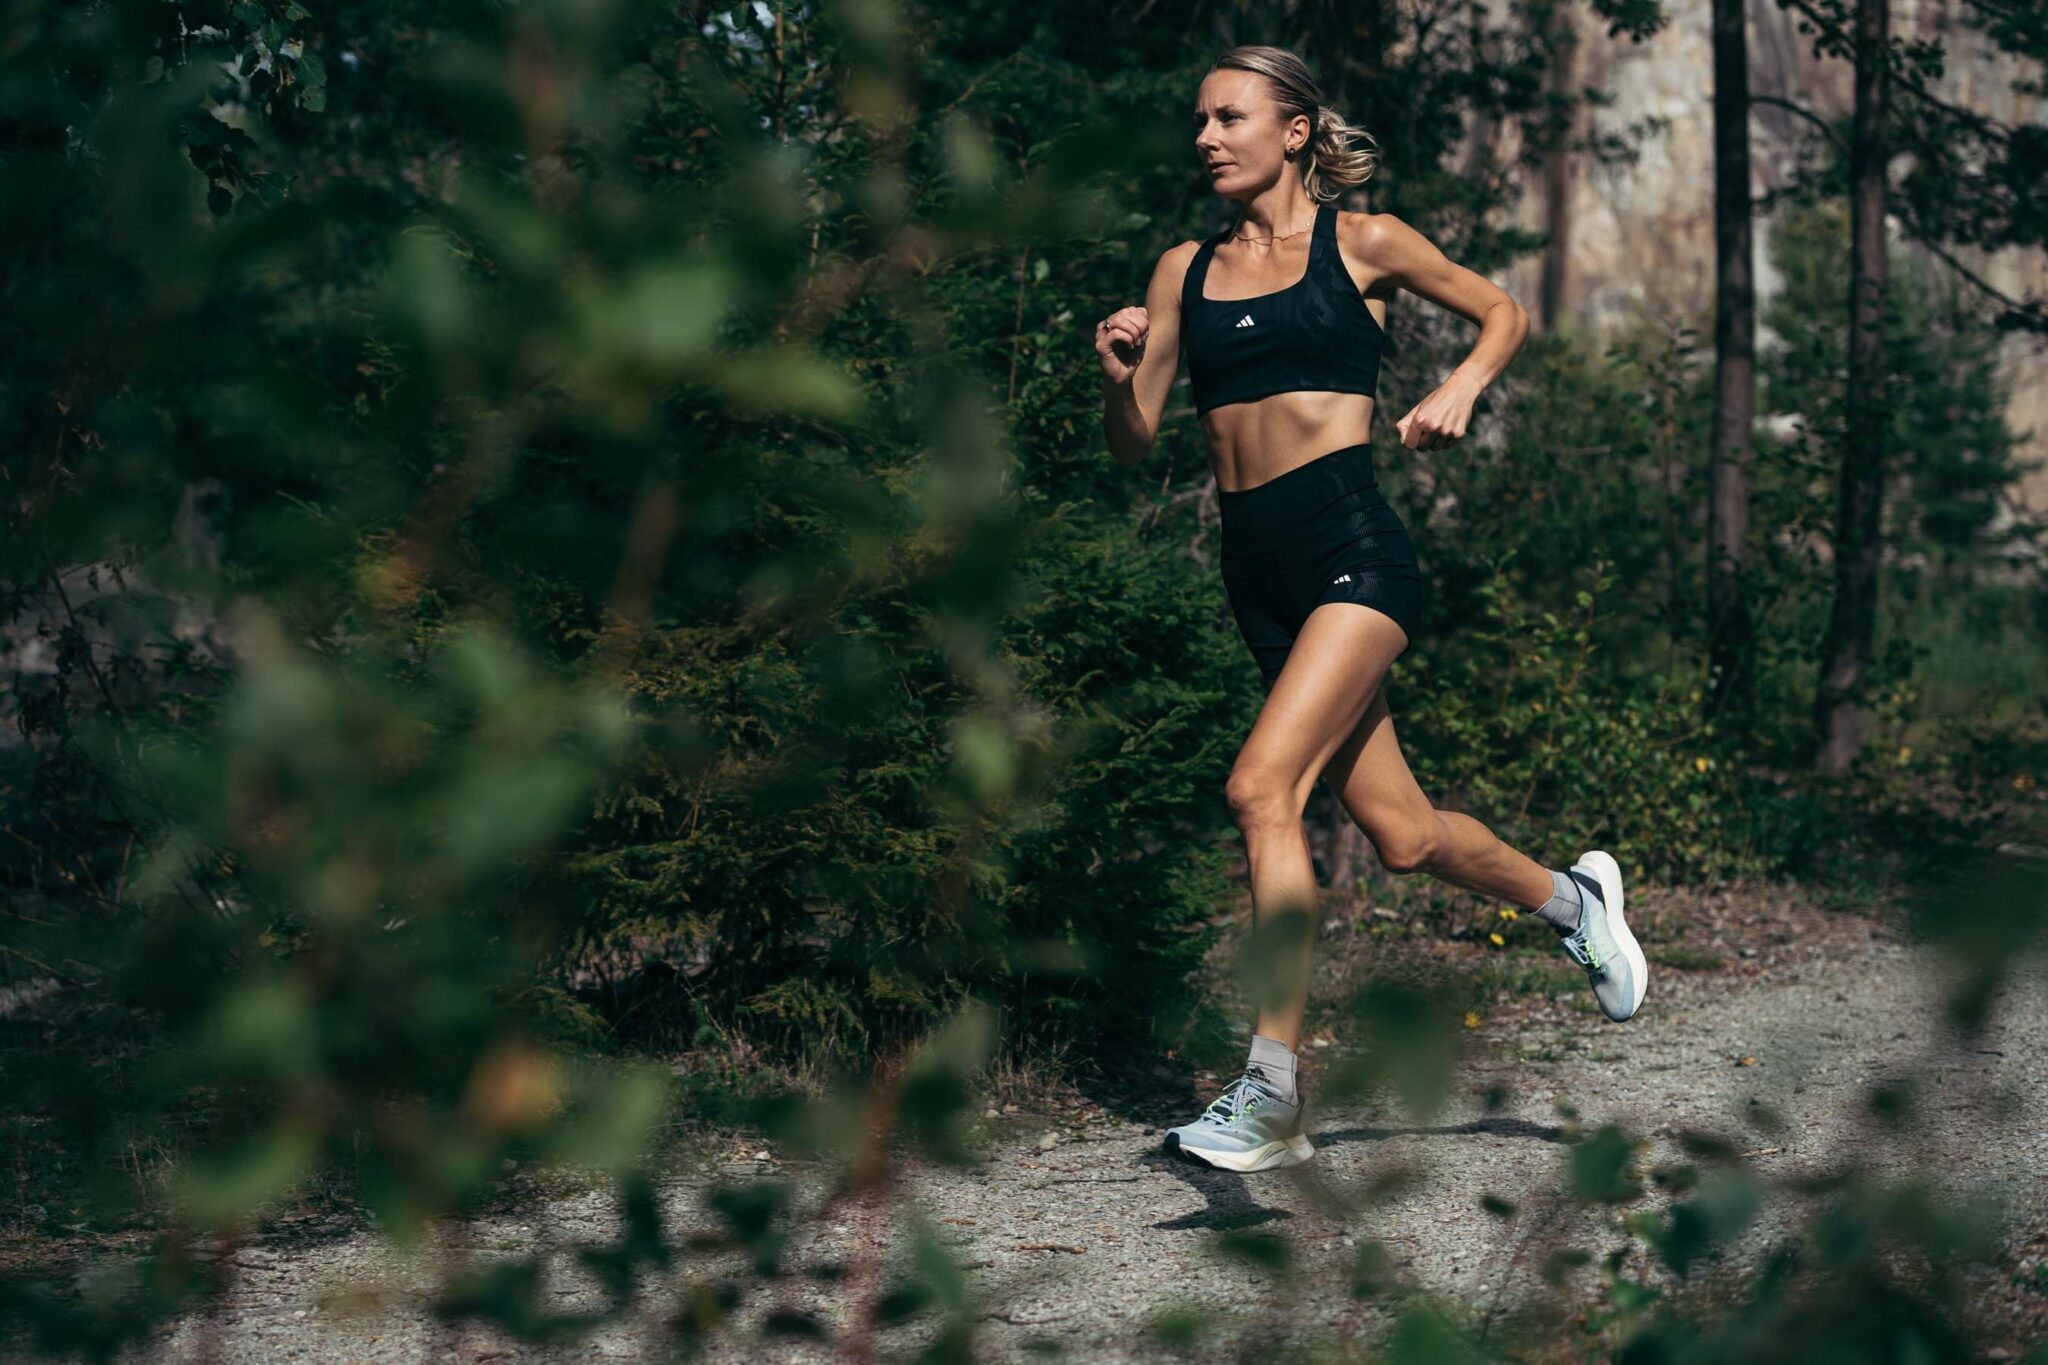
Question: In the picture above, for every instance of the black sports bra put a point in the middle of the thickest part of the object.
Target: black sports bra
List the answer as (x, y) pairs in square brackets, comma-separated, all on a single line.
[(1314, 335)]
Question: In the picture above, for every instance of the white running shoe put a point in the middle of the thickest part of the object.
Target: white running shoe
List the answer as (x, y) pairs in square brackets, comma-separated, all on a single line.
[(1602, 943), (1246, 1128)]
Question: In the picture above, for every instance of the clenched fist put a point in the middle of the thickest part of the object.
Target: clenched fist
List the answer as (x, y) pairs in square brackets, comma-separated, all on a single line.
[(1120, 341), (1442, 418)]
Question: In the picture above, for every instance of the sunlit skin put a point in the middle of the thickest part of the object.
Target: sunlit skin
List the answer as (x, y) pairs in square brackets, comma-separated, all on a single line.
[(1326, 715)]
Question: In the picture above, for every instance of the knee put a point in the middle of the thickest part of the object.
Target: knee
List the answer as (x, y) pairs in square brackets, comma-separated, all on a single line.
[(1259, 799), (1408, 847)]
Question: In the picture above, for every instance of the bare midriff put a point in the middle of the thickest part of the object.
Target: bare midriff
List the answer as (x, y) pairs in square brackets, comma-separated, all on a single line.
[(1252, 443)]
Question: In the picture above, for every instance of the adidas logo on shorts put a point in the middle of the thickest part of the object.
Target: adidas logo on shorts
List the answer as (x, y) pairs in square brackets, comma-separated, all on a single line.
[(1340, 578), (1247, 321)]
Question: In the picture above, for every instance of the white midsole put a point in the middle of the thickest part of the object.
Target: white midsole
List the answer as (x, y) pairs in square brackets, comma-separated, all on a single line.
[(1295, 1149), (1609, 872)]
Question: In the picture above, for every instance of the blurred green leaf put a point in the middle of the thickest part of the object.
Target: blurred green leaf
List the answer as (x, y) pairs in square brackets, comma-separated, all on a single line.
[(1600, 1167)]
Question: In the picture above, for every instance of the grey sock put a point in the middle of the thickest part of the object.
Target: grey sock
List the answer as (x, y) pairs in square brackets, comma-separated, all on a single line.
[(1272, 1061), (1561, 911)]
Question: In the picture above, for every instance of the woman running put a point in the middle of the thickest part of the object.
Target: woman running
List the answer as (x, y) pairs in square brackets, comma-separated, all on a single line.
[(1282, 319)]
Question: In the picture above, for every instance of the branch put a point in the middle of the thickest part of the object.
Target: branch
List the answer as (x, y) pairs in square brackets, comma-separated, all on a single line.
[(1807, 114), (1895, 71), (2021, 306), (975, 84), (1919, 234)]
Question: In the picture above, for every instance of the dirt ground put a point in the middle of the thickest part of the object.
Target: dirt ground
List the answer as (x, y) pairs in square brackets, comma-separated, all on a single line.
[(1768, 1021)]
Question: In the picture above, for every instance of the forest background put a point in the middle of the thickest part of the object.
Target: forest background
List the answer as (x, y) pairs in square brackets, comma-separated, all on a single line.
[(562, 580)]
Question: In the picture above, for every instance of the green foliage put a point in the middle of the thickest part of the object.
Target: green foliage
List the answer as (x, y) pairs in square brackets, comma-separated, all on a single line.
[(1599, 1168), (1059, 817), (1949, 454), (1558, 683), (536, 599), (1950, 448), (542, 538), (1525, 715)]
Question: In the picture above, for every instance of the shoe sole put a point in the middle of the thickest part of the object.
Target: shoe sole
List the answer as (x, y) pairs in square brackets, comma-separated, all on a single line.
[(1608, 871), (1274, 1155)]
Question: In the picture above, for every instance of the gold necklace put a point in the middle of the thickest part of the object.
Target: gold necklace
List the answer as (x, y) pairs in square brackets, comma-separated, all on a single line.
[(1283, 237)]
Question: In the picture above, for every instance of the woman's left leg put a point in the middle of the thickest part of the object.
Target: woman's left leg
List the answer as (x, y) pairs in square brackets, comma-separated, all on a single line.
[(1372, 781), (1327, 716)]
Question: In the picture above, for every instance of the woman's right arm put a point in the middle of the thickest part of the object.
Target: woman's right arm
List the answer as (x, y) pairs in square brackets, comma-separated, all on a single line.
[(1140, 352)]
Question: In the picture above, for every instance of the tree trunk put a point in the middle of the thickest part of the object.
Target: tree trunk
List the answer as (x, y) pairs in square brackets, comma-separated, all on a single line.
[(1557, 181), (1852, 624), (1729, 630), (1346, 843)]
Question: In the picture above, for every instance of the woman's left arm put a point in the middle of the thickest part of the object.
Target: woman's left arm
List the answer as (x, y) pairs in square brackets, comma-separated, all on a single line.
[(1401, 254)]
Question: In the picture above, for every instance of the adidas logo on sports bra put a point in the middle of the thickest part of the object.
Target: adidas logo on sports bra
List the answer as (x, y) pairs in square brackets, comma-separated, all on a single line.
[(1247, 321)]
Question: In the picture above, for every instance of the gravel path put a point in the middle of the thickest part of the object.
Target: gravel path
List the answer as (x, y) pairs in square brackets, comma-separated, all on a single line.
[(1074, 1236)]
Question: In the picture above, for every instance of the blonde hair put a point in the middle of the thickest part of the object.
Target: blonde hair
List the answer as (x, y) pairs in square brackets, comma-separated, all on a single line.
[(1339, 155)]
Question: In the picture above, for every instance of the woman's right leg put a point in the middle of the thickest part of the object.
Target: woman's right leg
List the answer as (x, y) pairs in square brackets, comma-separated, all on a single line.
[(1325, 686)]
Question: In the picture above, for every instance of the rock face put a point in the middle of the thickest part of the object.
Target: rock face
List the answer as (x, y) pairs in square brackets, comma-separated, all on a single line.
[(1642, 237)]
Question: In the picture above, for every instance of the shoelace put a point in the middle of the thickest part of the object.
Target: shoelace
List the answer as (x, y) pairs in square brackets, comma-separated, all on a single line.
[(1580, 945), (1242, 1096)]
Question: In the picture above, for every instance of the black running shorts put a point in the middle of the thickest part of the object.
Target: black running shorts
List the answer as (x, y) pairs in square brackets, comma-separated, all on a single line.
[(1319, 533)]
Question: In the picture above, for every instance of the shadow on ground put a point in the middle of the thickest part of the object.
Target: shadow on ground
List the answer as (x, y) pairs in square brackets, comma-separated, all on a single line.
[(1230, 1207)]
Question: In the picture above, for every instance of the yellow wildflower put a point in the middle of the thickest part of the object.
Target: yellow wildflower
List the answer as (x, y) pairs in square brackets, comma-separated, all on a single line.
[(1509, 913), (1703, 763), (1498, 941), (1471, 1018)]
